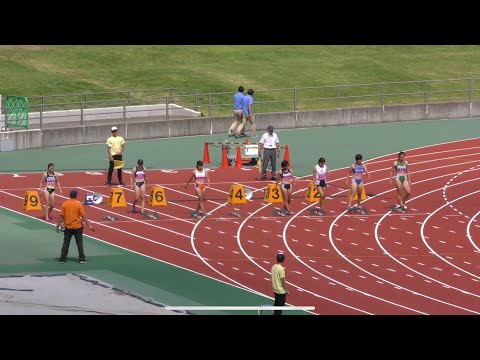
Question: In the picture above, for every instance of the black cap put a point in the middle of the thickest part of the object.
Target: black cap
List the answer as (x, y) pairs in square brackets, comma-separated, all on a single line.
[(270, 127), (280, 257), (73, 194)]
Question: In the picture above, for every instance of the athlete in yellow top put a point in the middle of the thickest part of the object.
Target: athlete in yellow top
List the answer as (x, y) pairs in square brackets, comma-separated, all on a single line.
[(400, 172)]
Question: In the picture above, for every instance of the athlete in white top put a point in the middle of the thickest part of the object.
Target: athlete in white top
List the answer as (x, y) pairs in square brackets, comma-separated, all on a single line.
[(201, 177), (320, 172)]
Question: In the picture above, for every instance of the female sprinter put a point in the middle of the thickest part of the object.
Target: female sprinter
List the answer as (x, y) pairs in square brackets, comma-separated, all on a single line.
[(320, 172), (51, 182), (140, 176), (201, 176), (402, 180), (357, 169), (287, 179)]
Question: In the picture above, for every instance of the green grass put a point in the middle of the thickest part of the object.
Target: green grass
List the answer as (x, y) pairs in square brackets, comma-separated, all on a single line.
[(47, 70)]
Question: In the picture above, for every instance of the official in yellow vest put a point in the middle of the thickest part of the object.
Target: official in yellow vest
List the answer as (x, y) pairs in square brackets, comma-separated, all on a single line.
[(115, 149)]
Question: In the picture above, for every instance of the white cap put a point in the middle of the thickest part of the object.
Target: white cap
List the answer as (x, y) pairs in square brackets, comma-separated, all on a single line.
[(114, 128)]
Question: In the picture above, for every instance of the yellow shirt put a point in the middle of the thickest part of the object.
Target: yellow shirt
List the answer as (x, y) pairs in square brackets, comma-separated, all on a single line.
[(278, 273), (71, 211), (115, 143)]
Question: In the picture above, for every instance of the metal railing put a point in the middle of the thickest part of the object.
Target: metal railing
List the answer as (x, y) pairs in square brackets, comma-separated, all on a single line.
[(273, 100)]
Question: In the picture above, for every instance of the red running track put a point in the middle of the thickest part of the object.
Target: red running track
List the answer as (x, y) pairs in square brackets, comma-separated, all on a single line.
[(425, 261)]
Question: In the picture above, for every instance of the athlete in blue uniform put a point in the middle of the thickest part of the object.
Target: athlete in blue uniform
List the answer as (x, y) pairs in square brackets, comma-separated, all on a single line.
[(357, 169)]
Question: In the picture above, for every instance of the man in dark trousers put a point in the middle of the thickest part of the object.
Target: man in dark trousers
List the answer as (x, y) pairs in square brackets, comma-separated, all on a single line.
[(269, 149), (279, 284), (72, 215), (115, 148)]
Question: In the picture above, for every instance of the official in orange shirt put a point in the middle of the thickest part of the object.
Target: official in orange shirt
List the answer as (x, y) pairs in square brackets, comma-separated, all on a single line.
[(72, 215)]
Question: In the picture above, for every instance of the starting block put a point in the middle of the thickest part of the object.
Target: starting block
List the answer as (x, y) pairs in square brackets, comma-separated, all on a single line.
[(195, 214), (109, 218), (398, 210), (316, 211), (234, 213), (359, 210), (32, 201), (279, 212), (153, 216)]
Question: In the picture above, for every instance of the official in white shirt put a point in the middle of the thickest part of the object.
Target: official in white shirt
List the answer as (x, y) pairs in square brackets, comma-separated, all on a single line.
[(269, 146)]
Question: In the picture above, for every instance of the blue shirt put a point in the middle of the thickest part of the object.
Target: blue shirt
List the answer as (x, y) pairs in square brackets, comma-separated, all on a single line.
[(246, 101), (238, 101)]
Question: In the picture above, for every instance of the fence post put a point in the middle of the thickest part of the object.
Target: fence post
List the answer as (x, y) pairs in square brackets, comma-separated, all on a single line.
[(382, 98), (295, 99), (425, 97), (425, 92), (41, 117), (42, 142), (125, 110), (43, 103), (196, 100), (81, 122), (124, 104), (470, 89), (166, 107), (338, 96), (170, 95), (209, 104), (86, 100), (81, 112), (470, 96)]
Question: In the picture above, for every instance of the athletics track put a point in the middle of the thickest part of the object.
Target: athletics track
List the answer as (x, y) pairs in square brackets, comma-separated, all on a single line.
[(425, 261)]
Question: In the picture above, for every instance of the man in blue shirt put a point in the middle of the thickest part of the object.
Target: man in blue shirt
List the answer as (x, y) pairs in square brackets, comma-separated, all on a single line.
[(247, 114), (237, 110)]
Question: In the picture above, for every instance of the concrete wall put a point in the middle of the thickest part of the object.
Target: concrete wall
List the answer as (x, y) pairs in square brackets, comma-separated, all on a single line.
[(49, 117), (219, 125), (24, 139)]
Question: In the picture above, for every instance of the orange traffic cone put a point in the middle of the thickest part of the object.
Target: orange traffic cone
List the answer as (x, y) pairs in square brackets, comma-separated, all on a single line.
[(238, 160), (225, 164), (206, 154), (247, 141), (287, 155)]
